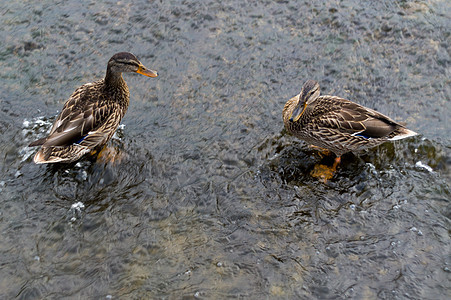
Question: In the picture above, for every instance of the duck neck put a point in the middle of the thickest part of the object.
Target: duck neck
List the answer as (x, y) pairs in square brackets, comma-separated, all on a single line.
[(114, 79), (117, 88)]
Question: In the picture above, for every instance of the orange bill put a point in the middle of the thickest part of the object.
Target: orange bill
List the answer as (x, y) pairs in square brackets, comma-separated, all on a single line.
[(146, 72)]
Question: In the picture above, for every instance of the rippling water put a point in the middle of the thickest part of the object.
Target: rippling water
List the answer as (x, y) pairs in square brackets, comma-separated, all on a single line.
[(209, 197)]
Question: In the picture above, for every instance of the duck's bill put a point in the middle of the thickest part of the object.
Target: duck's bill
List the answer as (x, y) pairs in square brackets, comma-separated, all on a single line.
[(146, 72), (297, 113)]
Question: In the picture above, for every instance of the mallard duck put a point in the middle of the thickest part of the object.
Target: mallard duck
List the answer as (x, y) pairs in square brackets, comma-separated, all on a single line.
[(91, 115), (337, 124)]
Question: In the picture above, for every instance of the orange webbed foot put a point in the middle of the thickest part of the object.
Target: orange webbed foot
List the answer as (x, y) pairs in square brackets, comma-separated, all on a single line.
[(325, 173)]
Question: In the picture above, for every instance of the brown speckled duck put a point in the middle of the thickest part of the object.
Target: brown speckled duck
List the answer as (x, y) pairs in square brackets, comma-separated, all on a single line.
[(337, 124), (91, 115)]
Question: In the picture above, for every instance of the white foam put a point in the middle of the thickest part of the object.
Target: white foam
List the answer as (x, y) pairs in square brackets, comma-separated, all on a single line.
[(78, 206), (419, 164)]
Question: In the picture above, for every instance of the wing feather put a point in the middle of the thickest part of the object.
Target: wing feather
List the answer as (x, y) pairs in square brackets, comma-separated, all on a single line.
[(354, 119), (82, 114)]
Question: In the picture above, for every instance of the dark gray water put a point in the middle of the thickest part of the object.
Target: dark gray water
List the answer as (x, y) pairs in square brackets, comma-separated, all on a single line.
[(211, 198)]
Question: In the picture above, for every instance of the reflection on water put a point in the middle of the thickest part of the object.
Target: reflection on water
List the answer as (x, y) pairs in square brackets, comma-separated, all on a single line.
[(207, 196)]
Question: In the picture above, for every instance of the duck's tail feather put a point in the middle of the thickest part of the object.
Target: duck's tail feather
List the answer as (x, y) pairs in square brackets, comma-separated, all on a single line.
[(403, 133), (39, 142), (47, 155)]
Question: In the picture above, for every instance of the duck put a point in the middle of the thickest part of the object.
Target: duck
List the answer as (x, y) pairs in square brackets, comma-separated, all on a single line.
[(91, 115), (337, 125)]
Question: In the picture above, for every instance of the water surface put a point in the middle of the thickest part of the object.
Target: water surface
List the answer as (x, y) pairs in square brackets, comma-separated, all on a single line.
[(210, 197)]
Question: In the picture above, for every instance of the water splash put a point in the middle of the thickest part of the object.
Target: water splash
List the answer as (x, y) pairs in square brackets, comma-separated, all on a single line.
[(32, 130), (419, 164)]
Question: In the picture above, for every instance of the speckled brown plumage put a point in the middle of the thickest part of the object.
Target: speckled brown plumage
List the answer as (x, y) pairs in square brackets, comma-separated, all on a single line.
[(91, 115), (337, 124)]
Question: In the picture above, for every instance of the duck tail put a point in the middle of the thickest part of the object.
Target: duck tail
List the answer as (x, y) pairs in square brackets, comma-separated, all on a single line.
[(42, 156), (48, 155), (402, 133), (39, 142)]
